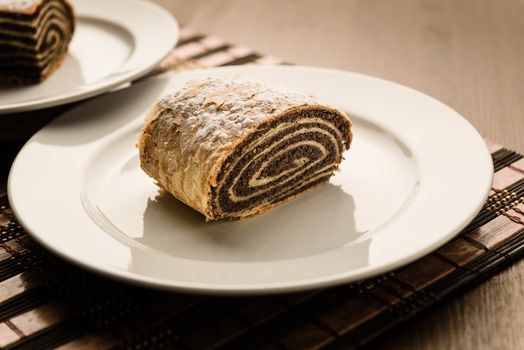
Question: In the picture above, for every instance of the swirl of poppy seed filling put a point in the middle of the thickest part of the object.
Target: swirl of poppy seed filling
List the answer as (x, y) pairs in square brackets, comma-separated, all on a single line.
[(280, 160), (34, 38)]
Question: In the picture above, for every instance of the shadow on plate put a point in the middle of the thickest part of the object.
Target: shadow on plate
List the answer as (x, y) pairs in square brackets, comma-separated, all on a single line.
[(318, 222)]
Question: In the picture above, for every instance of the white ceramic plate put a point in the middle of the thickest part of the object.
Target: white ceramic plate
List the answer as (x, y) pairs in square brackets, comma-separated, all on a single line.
[(416, 174), (115, 41)]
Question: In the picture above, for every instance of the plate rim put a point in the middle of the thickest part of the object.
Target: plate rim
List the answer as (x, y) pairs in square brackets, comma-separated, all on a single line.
[(269, 288), (104, 84)]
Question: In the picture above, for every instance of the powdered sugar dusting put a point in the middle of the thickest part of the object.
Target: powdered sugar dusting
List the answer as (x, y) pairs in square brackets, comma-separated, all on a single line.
[(217, 110), (18, 5)]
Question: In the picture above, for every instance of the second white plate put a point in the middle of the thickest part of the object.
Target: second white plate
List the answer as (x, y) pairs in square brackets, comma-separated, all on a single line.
[(416, 174), (114, 42)]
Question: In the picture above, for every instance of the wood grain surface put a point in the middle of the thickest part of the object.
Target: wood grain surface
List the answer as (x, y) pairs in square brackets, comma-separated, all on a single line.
[(467, 53)]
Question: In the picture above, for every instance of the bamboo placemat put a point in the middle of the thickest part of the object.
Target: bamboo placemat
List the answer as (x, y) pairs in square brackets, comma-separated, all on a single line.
[(48, 303)]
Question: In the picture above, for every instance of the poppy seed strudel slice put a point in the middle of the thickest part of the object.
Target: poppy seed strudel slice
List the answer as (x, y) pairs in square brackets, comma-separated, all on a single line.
[(236, 148), (34, 38)]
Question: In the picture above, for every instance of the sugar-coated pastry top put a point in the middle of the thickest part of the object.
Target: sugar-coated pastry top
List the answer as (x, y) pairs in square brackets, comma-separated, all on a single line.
[(22, 6), (215, 111)]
